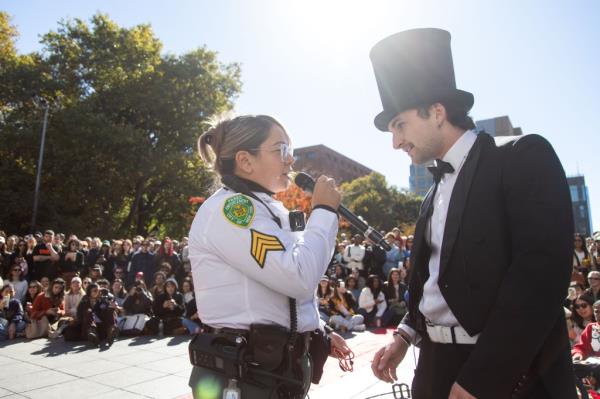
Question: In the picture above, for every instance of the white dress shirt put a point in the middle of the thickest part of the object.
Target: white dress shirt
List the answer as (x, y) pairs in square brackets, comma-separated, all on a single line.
[(232, 290), (433, 305)]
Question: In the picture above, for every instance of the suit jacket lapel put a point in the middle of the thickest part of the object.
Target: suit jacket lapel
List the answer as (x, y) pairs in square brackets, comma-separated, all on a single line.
[(458, 200), (420, 246)]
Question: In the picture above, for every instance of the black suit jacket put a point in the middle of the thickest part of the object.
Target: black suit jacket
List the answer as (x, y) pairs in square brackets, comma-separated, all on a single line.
[(505, 266)]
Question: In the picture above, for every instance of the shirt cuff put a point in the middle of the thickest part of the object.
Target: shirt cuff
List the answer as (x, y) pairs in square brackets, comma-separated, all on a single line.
[(410, 331), (326, 207)]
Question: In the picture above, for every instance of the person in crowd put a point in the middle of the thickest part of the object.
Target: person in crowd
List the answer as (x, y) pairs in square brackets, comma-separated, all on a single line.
[(159, 284), (120, 274), (45, 281), (45, 255), (191, 320), (4, 257), (371, 302), (393, 256), (593, 279), (71, 262), (18, 282), (374, 259), (165, 267), (354, 255), (138, 309), (324, 294), (19, 256), (394, 290), (97, 316), (96, 272), (93, 253), (581, 314), (118, 291), (581, 257), (84, 247), (12, 317), (185, 257), (339, 272), (352, 287), (73, 296), (360, 280), (118, 258), (46, 310), (343, 312), (338, 255), (168, 310), (167, 254), (31, 243), (589, 343), (104, 255), (34, 289), (253, 155), (128, 249), (142, 262)]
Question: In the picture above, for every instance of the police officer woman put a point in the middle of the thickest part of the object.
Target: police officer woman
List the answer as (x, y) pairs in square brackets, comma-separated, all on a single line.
[(256, 267)]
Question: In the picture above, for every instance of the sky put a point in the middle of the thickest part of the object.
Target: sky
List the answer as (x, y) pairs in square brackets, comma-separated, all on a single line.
[(306, 62)]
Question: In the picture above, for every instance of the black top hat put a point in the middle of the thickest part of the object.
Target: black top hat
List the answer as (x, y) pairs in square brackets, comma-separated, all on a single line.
[(414, 68)]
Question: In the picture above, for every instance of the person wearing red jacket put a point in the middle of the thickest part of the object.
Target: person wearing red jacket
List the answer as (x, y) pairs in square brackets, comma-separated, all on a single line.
[(589, 343)]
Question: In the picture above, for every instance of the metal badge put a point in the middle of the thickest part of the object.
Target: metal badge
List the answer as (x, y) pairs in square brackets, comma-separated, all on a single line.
[(297, 221)]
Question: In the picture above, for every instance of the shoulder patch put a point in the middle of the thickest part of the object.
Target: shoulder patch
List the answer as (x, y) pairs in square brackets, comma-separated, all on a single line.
[(263, 243), (239, 210)]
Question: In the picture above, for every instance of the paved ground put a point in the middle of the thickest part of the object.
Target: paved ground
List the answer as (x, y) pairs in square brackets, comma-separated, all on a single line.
[(147, 367)]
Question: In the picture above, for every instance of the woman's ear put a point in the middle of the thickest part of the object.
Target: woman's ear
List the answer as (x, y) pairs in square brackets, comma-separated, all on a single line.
[(244, 162)]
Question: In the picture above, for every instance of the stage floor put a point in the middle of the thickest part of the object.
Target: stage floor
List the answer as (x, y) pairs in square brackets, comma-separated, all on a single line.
[(147, 367)]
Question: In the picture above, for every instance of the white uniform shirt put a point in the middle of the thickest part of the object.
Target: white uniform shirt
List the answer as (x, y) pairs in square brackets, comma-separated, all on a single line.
[(232, 289), (433, 305), (354, 255)]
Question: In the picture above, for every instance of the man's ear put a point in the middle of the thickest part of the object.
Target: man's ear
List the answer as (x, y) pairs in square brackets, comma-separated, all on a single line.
[(244, 162), (439, 113)]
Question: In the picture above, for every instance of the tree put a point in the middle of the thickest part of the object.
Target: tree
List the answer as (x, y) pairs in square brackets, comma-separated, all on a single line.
[(120, 150), (381, 206)]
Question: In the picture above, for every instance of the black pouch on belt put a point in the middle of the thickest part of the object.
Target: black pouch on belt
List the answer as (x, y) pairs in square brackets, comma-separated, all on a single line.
[(267, 345), (319, 351), (220, 352)]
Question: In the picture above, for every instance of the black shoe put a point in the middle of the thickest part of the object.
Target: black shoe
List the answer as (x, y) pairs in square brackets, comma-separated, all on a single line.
[(93, 338)]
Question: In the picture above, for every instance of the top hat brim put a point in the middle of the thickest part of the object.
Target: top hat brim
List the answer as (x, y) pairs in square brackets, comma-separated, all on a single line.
[(459, 97)]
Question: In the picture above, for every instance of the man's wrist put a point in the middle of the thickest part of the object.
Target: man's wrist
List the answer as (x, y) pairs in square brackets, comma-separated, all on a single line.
[(402, 336)]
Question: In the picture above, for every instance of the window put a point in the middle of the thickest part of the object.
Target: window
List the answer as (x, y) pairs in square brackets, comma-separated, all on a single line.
[(574, 193)]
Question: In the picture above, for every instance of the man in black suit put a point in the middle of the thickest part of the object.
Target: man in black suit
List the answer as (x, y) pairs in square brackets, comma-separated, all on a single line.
[(493, 241)]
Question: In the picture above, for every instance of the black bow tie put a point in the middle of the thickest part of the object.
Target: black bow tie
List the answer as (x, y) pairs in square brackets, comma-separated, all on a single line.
[(439, 169)]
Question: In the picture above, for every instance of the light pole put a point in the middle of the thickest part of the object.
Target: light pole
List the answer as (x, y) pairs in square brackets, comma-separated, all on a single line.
[(36, 195)]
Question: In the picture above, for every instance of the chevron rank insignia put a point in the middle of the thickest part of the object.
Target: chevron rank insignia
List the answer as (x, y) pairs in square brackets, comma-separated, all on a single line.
[(263, 243)]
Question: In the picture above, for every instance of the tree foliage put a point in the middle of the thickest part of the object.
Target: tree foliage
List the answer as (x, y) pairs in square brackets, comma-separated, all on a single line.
[(124, 119), (380, 205)]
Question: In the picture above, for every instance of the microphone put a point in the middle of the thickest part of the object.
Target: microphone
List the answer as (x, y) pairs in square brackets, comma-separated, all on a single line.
[(307, 183)]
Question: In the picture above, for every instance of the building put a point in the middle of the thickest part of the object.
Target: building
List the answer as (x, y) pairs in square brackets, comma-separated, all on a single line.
[(421, 180), (319, 160), (580, 200)]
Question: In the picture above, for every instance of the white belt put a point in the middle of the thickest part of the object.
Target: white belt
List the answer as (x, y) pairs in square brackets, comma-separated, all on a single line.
[(450, 335)]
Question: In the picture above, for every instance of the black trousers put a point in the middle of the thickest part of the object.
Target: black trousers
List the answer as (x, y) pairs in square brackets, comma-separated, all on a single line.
[(439, 366)]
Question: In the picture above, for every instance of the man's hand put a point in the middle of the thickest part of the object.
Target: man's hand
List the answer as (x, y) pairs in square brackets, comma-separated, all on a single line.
[(458, 392), (339, 343), (387, 359)]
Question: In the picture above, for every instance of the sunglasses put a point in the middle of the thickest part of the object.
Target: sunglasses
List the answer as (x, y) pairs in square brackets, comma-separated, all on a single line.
[(16, 270), (593, 278), (581, 306), (32, 286)]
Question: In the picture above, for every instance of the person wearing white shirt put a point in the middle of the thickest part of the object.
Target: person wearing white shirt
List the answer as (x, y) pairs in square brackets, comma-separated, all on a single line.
[(250, 269), (354, 254), (491, 260)]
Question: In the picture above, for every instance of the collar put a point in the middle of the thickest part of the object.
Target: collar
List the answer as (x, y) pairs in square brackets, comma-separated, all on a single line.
[(460, 149)]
